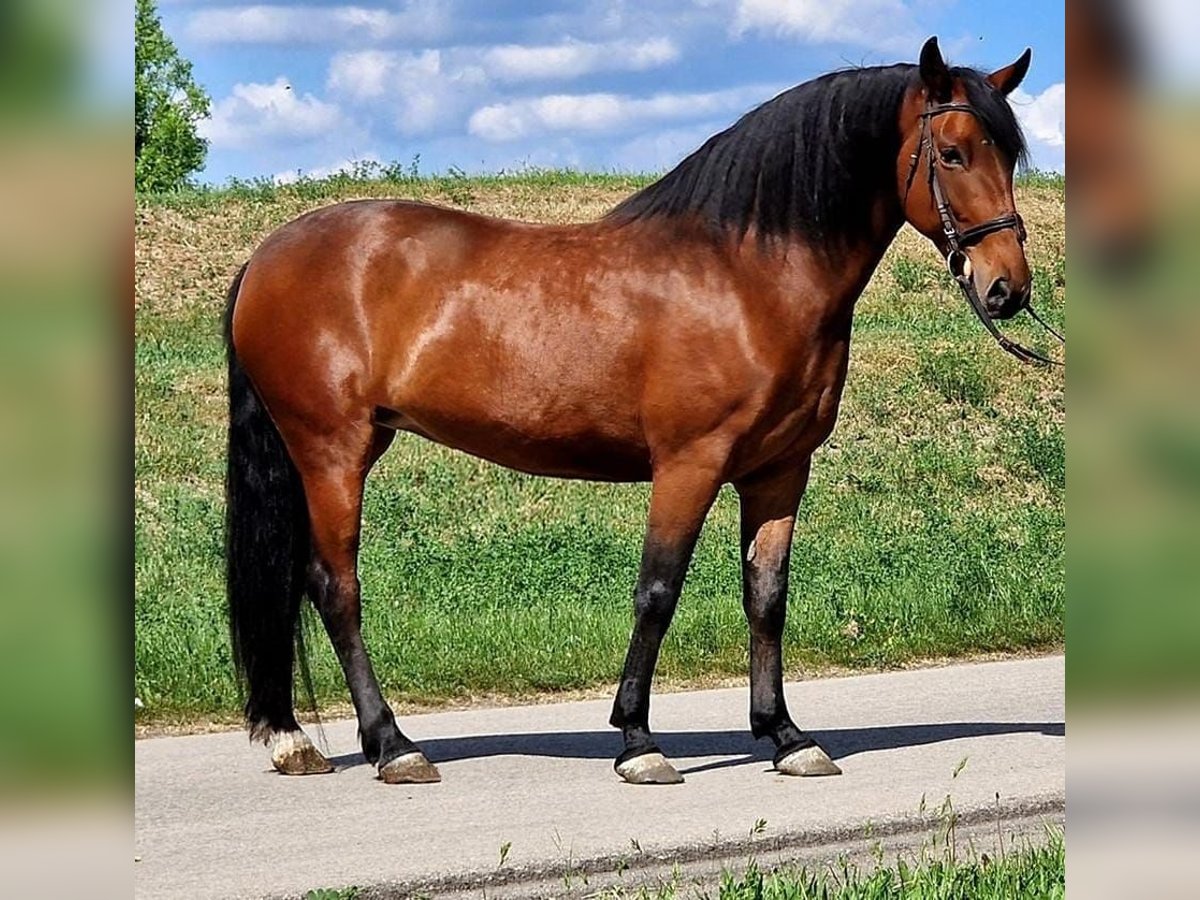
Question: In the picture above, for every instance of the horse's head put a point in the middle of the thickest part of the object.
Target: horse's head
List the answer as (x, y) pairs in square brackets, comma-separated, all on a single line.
[(960, 147)]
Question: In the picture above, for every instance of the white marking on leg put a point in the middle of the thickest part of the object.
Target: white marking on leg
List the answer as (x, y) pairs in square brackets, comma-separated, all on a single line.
[(292, 753), (286, 743)]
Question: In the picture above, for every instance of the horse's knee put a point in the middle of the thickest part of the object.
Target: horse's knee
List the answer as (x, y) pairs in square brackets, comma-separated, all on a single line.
[(765, 599), (654, 601)]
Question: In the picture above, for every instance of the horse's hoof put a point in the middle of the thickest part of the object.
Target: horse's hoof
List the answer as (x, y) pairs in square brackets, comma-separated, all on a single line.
[(808, 762), (294, 754), (649, 768), (411, 768)]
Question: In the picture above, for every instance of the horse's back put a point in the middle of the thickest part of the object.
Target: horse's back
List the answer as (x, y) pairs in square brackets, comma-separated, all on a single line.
[(353, 232), (322, 267)]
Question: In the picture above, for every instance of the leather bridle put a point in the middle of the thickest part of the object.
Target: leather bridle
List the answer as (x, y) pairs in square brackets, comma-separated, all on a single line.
[(957, 240)]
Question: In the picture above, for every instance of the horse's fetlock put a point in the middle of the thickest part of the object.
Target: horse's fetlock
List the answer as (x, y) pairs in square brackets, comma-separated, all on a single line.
[(762, 724)]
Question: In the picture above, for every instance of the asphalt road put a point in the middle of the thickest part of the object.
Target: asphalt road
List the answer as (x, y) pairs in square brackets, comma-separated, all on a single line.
[(212, 819)]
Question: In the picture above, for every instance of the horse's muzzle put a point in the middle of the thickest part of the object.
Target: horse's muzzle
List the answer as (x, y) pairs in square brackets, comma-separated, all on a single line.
[(1004, 300)]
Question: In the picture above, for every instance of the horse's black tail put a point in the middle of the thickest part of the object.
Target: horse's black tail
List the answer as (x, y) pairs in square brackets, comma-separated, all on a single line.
[(266, 551)]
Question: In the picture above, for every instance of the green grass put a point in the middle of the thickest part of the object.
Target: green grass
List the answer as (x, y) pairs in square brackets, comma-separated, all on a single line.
[(1032, 873), (913, 275), (934, 524), (958, 376), (348, 893)]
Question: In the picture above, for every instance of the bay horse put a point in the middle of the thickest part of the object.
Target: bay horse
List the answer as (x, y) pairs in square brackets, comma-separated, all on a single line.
[(696, 335)]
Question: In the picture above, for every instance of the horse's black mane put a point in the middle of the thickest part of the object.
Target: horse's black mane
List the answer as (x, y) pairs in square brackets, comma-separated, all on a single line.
[(812, 160)]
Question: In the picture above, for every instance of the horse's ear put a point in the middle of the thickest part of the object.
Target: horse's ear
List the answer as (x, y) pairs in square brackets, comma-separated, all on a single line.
[(934, 72), (1007, 79)]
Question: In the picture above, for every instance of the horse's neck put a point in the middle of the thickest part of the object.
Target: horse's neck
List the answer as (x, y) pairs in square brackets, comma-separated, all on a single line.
[(832, 279), (864, 260)]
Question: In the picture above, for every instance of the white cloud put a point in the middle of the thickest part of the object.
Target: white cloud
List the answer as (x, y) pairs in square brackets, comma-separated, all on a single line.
[(426, 92), (363, 75), (605, 112), (879, 24), (254, 114), (269, 24), (1043, 117), (570, 59), (419, 91)]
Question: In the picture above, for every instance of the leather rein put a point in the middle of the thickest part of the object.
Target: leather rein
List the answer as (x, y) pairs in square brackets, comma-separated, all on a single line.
[(957, 240)]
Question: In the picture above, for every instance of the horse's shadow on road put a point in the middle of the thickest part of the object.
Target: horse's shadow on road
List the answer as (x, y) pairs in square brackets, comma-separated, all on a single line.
[(738, 746)]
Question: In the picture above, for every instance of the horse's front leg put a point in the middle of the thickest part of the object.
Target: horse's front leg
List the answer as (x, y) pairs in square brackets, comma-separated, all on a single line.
[(679, 500), (769, 504)]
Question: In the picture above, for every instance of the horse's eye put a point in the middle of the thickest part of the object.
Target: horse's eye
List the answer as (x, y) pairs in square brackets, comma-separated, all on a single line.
[(951, 156)]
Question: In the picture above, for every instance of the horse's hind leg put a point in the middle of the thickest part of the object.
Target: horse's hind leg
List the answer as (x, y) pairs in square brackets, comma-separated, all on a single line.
[(679, 501), (769, 505), (333, 471)]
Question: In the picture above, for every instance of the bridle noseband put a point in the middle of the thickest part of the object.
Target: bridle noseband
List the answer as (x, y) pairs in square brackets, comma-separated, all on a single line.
[(957, 240)]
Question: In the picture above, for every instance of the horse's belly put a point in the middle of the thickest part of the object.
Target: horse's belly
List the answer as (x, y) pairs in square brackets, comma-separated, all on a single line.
[(541, 389), (545, 448)]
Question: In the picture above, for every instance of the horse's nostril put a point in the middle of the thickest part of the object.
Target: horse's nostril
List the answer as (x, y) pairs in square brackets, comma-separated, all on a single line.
[(999, 290)]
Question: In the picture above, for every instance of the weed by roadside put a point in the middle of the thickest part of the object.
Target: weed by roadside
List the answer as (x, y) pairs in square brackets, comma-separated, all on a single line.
[(347, 893)]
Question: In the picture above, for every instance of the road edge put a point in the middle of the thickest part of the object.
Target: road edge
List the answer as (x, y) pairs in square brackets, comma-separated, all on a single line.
[(986, 829)]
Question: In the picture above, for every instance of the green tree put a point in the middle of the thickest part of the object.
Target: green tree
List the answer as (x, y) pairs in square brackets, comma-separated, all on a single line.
[(167, 106)]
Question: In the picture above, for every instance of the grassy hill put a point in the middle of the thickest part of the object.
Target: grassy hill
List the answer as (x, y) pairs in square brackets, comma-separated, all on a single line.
[(934, 524)]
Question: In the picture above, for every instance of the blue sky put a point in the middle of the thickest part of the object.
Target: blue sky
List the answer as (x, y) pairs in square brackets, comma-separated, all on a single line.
[(625, 86)]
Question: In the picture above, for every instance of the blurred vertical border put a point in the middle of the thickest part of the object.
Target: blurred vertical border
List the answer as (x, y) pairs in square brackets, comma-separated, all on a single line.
[(1133, 577), (65, 476), (66, 283)]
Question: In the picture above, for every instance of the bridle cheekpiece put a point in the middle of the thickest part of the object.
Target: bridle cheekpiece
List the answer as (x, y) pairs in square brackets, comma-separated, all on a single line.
[(958, 239)]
